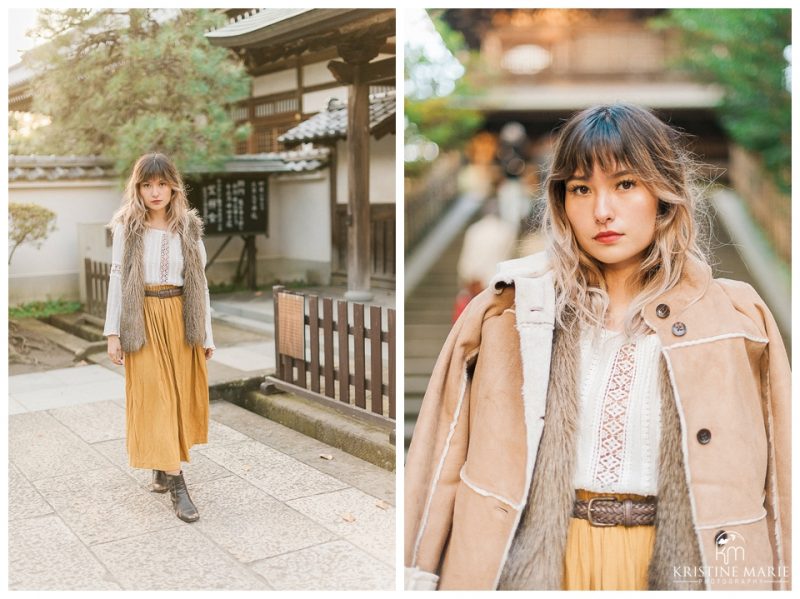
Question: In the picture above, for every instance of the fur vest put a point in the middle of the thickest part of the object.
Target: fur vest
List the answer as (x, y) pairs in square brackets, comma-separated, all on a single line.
[(132, 331), (536, 558)]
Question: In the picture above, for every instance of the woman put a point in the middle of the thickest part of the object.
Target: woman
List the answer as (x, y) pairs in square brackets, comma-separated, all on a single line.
[(158, 324), (606, 415)]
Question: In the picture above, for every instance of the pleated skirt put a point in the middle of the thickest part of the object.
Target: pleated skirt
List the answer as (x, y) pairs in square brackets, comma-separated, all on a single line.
[(607, 558), (166, 390)]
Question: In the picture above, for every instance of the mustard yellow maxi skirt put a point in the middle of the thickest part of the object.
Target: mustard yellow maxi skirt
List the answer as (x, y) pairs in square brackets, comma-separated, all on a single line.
[(607, 558), (166, 390)]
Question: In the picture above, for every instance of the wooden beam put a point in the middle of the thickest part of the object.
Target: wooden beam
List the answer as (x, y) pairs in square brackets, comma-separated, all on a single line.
[(342, 72), (378, 71)]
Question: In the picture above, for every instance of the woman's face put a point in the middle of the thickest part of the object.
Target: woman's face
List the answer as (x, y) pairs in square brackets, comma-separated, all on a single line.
[(156, 194), (613, 216)]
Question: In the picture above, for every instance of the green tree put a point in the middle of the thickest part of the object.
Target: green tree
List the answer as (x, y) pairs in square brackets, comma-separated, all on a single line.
[(28, 223), (437, 80), (121, 82), (743, 51)]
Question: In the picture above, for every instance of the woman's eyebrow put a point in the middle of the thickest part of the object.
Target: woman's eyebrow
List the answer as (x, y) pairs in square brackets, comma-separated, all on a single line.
[(585, 178)]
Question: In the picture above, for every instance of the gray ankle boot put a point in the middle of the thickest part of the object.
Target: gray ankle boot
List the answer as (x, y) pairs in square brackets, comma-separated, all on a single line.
[(181, 502), (159, 482)]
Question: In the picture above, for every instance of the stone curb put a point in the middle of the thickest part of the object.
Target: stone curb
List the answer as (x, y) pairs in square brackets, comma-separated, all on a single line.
[(313, 420)]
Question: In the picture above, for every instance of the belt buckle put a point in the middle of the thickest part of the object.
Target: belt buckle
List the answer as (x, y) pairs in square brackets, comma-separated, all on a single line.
[(589, 511)]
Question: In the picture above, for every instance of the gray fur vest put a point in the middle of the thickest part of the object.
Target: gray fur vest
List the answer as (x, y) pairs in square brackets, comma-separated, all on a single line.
[(132, 331), (536, 557)]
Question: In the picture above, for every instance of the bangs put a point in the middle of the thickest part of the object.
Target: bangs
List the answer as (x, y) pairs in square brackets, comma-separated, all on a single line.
[(155, 166), (597, 140)]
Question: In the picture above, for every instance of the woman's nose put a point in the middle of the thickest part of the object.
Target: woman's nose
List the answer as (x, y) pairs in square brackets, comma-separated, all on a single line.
[(603, 210)]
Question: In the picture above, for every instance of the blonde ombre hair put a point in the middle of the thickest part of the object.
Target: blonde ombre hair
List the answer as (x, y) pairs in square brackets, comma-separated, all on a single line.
[(132, 215), (614, 137)]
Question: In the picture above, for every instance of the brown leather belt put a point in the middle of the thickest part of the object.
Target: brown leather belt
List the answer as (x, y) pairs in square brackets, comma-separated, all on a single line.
[(162, 293), (610, 511)]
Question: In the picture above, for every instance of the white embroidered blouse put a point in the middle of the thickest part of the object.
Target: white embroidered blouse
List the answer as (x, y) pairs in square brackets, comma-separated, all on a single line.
[(163, 265), (619, 422)]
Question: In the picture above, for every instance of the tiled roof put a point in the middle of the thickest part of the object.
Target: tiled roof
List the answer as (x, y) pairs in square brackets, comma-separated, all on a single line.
[(305, 159), (55, 168), (332, 122), (62, 168), (255, 20)]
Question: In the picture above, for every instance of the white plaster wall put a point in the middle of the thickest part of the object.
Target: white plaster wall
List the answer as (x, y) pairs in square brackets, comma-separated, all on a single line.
[(381, 170), (298, 244), (305, 217), (318, 101), (317, 73), (274, 83), (53, 270)]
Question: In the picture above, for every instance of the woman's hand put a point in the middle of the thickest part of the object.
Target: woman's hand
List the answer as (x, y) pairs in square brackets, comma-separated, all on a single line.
[(115, 350), (209, 352)]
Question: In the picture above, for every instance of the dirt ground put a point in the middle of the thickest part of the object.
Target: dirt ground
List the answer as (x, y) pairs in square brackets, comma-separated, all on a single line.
[(29, 351)]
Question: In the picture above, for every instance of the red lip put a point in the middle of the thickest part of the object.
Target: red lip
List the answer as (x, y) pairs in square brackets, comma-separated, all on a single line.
[(607, 236)]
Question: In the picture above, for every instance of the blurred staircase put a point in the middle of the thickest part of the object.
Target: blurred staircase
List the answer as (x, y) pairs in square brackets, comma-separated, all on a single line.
[(428, 315)]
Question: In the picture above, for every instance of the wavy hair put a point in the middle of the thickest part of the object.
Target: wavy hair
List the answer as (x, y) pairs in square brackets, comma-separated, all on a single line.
[(132, 215), (613, 137)]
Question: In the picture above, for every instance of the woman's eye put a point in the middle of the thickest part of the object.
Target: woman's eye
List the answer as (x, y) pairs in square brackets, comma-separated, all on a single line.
[(627, 184), (579, 189)]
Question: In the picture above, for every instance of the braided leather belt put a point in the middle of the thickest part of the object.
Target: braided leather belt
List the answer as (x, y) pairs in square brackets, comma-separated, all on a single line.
[(162, 293), (610, 511)]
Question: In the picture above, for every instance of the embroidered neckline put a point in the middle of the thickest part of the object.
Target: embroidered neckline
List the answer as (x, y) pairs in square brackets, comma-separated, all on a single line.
[(616, 399), (164, 259)]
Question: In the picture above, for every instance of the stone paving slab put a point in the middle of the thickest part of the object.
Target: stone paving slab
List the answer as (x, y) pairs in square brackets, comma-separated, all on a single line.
[(175, 558), (274, 472), (335, 566), (200, 469), (104, 505), (93, 422), (249, 524), (374, 481), (69, 395), (41, 447), (44, 554), (356, 517), (14, 407), (369, 478), (81, 518), (24, 501)]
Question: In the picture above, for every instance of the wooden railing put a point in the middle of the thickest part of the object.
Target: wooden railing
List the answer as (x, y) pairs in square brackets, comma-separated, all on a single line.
[(426, 199), (96, 287), (382, 245), (324, 350)]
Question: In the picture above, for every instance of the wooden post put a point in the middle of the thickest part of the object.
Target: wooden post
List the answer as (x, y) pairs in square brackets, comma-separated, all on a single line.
[(276, 290), (358, 217)]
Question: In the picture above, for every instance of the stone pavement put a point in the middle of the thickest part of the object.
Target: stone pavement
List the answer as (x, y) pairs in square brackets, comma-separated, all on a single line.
[(274, 514)]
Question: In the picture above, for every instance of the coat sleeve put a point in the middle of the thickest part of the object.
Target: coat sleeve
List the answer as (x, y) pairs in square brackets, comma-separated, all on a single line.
[(777, 392), (438, 450)]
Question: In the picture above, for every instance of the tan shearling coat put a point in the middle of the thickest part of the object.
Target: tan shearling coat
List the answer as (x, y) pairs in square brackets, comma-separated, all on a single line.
[(499, 398)]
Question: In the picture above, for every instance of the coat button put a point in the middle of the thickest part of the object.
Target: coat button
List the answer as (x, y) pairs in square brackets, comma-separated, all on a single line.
[(704, 436), (679, 329), (720, 538), (662, 310)]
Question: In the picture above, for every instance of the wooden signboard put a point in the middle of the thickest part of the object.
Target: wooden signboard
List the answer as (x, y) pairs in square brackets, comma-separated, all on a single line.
[(231, 203)]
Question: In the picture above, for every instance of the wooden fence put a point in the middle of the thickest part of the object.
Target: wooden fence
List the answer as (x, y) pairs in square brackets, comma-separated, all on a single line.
[(96, 287), (334, 368)]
